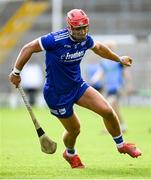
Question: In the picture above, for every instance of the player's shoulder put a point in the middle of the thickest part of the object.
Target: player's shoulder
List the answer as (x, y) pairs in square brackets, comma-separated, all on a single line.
[(62, 34), (89, 41), (89, 37)]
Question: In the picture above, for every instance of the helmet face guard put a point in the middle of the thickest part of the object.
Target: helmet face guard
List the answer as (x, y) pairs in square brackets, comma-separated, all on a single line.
[(77, 23)]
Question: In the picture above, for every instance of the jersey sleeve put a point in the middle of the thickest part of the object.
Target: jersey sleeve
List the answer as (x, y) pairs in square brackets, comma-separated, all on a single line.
[(47, 42), (90, 42)]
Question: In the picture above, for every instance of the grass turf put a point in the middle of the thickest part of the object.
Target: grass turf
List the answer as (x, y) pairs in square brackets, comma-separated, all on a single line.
[(21, 156)]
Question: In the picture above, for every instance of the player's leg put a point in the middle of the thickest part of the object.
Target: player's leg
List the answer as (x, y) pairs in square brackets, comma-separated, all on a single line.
[(113, 99), (72, 130), (94, 101), (68, 119)]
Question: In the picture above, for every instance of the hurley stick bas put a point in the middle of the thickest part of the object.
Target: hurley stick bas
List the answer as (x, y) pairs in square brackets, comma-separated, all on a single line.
[(47, 144)]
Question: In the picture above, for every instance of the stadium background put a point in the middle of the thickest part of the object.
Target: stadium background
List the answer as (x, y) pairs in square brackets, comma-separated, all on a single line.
[(128, 22)]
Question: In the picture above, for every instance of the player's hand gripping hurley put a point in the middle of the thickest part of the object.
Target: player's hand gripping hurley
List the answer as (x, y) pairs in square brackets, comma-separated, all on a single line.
[(47, 145)]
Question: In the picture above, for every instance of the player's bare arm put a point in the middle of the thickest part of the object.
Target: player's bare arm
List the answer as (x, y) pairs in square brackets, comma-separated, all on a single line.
[(103, 51), (23, 57), (26, 52)]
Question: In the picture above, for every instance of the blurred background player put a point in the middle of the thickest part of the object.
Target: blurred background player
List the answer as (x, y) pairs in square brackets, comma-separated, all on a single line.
[(108, 77), (115, 75), (32, 81), (94, 76)]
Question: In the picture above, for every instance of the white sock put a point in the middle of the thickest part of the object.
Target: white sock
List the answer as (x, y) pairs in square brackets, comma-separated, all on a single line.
[(120, 145)]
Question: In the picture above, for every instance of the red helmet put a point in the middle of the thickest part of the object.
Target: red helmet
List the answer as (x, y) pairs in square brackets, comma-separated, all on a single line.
[(77, 18)]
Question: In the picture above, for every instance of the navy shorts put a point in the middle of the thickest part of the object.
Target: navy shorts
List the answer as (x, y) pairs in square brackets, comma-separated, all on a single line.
[(114, 92), (61, 105)]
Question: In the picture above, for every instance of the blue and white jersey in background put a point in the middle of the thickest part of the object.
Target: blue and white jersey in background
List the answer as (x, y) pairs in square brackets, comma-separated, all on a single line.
[(92, 70), (63, 57), (113, 75)]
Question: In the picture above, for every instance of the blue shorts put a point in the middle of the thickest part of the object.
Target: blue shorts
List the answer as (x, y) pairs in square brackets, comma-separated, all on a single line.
[(61, 105), (112, 92)]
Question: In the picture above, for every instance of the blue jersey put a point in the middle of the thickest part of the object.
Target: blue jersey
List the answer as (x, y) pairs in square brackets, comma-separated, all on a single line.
[(63, 57), (113, 75)]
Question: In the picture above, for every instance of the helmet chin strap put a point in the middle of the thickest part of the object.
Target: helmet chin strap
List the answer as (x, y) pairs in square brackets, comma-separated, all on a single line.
[(77, 40), (73, 38)]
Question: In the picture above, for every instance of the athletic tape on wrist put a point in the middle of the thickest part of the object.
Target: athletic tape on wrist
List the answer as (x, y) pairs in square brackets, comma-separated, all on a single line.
[(16, 71), (121, 60)]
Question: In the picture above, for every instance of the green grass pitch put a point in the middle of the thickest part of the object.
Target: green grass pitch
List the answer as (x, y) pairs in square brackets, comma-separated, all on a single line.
[(21, 157)]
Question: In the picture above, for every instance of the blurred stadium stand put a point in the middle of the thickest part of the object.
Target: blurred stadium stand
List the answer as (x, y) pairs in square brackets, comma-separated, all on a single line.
[(126, 21)]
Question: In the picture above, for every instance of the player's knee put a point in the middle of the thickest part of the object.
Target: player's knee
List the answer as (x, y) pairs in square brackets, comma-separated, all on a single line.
[(109, 113), (75, 132)]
